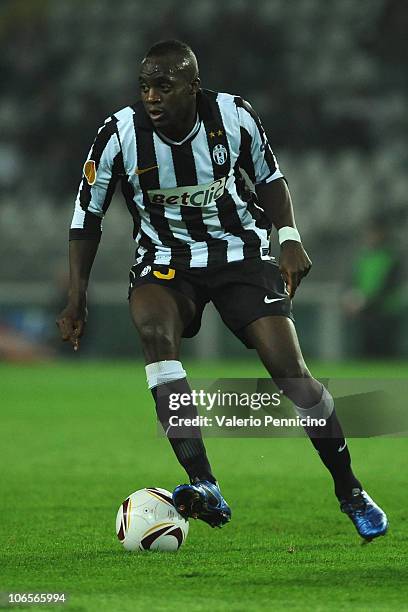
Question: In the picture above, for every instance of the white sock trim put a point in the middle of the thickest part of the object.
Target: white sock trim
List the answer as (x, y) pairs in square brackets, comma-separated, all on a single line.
[(322, 410), (163, 372)]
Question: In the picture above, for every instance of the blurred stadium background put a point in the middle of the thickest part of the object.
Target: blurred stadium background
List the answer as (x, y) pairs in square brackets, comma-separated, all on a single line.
[(329, 81)]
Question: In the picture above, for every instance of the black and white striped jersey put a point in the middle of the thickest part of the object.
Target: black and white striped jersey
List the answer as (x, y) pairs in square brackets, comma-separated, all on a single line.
[(192, 202)]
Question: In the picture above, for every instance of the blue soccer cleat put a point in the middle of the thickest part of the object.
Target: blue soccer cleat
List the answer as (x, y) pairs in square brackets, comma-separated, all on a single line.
[(202, 500), (368, 518)]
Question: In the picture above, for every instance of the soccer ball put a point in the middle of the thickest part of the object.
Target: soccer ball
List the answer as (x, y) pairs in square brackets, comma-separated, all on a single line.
[(147, 520)]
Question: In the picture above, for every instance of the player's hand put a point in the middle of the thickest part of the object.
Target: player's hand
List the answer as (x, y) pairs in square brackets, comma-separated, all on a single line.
[(294, 264), (71, 323)]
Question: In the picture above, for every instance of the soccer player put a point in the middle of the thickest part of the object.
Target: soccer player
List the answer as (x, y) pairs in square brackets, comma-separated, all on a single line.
[(204, 190)]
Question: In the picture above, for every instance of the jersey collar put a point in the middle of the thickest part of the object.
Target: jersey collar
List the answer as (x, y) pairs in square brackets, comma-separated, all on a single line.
[(190, 135)]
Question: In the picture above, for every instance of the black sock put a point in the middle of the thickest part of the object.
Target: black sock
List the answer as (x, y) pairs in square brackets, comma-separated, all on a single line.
[(186, 442), (332, 447), (335, 455)]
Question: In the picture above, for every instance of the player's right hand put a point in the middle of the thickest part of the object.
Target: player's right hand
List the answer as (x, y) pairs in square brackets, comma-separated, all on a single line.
[(71, 323)]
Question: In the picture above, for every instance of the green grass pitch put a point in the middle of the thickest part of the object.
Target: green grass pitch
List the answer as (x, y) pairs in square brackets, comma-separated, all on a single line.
[(78, 437)]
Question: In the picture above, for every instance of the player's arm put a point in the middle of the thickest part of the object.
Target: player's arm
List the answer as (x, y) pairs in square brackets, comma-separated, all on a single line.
[(259, 162), (71, 321), (294, 262), (101, 172)]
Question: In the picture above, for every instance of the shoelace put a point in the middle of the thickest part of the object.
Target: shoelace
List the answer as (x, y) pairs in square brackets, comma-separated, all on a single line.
[(357, 508)]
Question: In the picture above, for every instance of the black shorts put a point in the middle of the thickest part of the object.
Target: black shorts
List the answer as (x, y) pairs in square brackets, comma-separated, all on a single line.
[(241, 291)]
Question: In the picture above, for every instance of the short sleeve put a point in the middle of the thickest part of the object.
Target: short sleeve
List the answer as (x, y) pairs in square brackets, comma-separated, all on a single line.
[(256, 155), (101, 172)]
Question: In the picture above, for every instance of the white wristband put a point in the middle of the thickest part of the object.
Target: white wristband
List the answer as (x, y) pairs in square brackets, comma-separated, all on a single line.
[(288, 233)]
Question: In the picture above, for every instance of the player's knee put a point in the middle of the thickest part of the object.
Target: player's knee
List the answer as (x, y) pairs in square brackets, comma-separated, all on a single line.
[(293, 370), (157, 338), (297, 383)]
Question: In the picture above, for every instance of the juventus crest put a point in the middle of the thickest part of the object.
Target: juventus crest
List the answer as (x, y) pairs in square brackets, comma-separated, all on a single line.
[(220, 154)]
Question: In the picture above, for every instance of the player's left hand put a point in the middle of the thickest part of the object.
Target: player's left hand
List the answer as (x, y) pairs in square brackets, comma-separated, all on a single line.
[(294, 264)]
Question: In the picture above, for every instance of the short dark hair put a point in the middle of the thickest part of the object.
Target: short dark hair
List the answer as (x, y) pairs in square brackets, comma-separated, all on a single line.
[(170, 47), (182, 54)]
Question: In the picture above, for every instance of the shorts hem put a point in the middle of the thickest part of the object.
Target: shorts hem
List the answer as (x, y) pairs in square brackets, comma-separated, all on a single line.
[(194, 327), (239, 333)]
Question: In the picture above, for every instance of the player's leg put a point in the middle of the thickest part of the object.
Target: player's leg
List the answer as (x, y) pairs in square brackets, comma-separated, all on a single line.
[(276, 343), (161, 315), (252, 300), (275, 339)]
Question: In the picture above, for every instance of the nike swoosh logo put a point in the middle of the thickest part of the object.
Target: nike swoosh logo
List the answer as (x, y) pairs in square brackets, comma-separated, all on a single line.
[(342, 447), (270, 300), (140, 171)]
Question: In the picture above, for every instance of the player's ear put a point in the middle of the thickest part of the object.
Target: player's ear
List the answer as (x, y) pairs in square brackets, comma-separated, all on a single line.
[(195, 85)]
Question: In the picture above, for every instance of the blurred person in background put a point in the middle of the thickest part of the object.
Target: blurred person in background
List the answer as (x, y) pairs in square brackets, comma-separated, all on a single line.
[(376, 300)]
